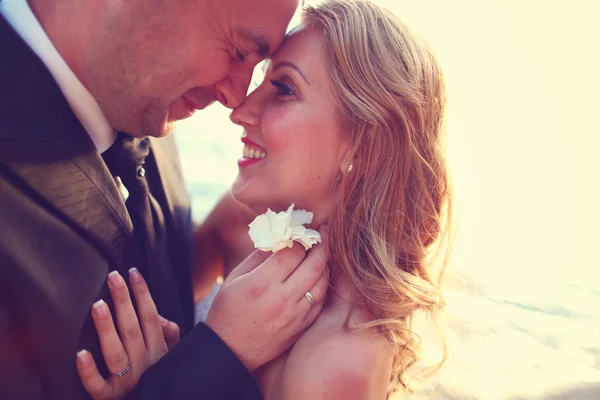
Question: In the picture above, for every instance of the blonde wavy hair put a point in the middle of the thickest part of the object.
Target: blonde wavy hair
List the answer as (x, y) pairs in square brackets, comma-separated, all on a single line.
[(393, 210)]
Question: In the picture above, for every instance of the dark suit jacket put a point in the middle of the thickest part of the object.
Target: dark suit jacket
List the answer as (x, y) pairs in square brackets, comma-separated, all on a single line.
[(63, 227)]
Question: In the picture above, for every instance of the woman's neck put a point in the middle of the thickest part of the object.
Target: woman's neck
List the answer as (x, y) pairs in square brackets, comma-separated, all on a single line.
[(343, 295), (320, 216)]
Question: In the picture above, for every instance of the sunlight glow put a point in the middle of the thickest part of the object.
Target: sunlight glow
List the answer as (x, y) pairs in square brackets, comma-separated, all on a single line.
[(523, 85)]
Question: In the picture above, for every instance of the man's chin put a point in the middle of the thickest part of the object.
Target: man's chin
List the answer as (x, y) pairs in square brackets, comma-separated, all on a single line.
[(157, 128), (167, 128)]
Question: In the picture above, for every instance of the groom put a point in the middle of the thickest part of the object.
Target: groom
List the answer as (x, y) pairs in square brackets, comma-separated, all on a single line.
[(75, 75)]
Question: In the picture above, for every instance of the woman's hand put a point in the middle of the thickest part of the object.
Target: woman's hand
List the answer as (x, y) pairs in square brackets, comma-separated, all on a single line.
[(132, 350)]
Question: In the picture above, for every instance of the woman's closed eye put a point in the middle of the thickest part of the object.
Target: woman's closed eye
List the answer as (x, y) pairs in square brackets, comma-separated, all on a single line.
[(284, 89)]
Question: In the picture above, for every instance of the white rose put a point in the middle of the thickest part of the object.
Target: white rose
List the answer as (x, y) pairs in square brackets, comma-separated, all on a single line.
[(275, 231)]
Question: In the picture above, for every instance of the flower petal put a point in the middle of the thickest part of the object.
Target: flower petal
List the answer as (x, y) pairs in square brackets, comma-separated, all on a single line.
[(307, 237), (280, 223), (282, 244), (310, 238), (301, 217), (298, 231), (260, 232), (275, 231)]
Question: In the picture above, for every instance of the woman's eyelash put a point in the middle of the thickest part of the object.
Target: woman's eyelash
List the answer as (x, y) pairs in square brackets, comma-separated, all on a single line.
[(284, 90)]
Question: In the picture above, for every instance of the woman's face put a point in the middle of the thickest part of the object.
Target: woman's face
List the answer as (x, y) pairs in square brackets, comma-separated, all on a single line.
[(293, 145)]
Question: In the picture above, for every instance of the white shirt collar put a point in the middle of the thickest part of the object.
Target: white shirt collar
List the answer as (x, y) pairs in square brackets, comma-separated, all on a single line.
[(85, 107)]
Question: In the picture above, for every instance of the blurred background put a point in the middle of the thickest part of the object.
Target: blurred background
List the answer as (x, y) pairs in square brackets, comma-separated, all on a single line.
[(523, 136)]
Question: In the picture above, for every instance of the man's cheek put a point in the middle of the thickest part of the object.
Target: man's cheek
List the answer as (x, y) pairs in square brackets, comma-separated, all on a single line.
[(209, 72)]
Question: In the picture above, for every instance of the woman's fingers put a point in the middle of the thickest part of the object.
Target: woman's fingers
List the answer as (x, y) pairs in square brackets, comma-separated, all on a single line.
[(139, 343), (148, 316), (115, 357), (127, 321), (92, 381), (170, 331)]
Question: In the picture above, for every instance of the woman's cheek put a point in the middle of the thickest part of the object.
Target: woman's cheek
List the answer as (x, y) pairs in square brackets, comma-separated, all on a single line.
[(281, 128)]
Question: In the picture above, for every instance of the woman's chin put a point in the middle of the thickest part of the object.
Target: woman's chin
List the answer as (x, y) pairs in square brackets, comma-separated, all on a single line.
[(258, 202), (259, 197), (247, 195), (239, 188)]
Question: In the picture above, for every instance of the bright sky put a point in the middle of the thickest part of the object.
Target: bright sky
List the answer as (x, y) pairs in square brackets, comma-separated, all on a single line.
[(523, 87)]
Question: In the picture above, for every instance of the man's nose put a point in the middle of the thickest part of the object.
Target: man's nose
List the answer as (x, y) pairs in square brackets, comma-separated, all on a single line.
[(232, 90)]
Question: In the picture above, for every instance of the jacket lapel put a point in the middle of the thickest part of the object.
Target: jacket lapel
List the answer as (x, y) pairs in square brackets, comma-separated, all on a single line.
[(178, 218), (43, 144)]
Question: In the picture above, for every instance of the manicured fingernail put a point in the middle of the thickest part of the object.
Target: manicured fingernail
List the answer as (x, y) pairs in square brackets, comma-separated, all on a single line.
[(135, 275), (100, 308), (115, 279), (81, 354)]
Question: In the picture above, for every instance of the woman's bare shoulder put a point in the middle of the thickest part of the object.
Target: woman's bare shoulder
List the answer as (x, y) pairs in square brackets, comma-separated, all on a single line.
[(334, 363)]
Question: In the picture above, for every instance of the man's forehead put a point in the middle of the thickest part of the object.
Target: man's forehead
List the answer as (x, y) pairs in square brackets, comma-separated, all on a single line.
[(263, 22)]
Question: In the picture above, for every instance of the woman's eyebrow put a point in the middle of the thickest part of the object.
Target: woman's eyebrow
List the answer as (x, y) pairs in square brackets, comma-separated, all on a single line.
[(291, 65)]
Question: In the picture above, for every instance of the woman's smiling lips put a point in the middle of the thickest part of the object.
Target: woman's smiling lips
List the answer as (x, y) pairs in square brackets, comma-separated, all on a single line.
[(253, 153)]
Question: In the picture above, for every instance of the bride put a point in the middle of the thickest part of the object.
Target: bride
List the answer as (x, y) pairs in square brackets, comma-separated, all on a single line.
[(348, 125)]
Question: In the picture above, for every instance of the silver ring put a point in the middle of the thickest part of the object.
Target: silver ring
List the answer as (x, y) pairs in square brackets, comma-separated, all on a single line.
[(310, 298), (126, 370)]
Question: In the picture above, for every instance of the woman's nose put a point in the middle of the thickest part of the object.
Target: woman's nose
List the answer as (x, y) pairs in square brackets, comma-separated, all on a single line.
[(246, 113)]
